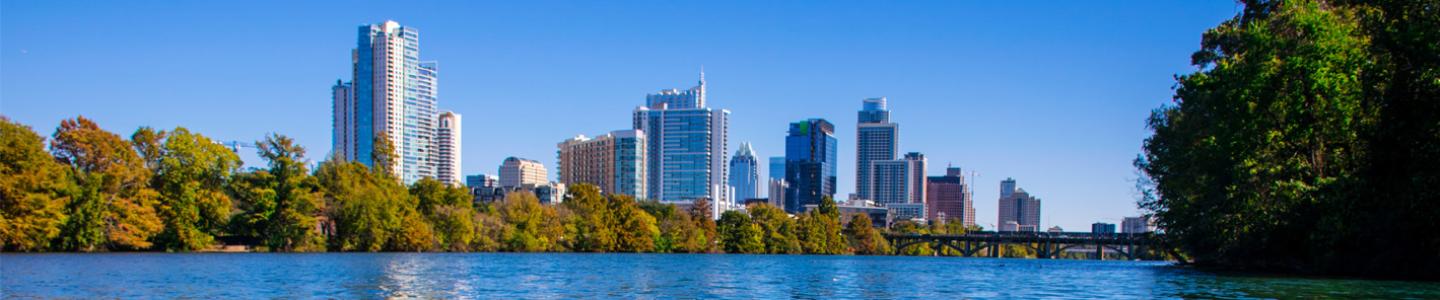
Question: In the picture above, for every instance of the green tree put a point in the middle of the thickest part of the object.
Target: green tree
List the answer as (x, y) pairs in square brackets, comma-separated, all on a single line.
[(32, 190), (191, 177), (910, 227), (281, 205), (450, 211), (112, 206), (368, 208), (778, 230), (530, 226), (863, 237), (739, 234), (592, 226), (820, 230)]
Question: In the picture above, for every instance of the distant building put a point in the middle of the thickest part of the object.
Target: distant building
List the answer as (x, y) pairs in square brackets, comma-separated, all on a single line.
[(876, 139), (392, 94), (447, 135), (777, 167), (1019, 207), (898, 181), (517, 171), (777, 192), (686, 146), (1102, 228), (745, 173), (1136, 225), (879, 215), (810, 151), (1055, 229), (906, 211), (614, 162), (481, 180), (547, 193), (949, 196)]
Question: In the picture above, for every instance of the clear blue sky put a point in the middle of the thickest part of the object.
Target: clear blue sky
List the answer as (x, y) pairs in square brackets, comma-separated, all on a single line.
[(1053, 94)]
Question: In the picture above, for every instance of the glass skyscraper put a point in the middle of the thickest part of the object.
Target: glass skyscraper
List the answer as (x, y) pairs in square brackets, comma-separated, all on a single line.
[(745, 173), (392, 94), (686, 147), (876, 139), (810, 152)]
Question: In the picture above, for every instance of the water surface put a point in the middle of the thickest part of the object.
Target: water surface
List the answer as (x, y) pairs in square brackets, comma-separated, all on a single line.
[(578, 275)]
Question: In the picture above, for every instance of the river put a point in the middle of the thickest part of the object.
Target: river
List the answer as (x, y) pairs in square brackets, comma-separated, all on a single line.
[(579, 275)]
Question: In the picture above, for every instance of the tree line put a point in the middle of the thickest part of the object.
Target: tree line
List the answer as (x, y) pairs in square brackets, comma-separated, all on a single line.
[(178, 191), (1307, 140)]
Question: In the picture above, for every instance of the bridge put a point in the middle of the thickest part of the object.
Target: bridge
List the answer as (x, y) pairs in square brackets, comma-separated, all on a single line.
[(1045, 244)]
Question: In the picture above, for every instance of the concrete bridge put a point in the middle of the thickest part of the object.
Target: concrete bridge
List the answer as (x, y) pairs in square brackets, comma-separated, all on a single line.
[(1045, 244)]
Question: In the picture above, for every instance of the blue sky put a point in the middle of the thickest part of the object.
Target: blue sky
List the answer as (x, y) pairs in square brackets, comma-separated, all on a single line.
[(1053, 94)]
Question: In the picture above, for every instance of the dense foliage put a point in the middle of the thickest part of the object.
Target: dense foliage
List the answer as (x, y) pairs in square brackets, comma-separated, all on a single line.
[(1308, 140)]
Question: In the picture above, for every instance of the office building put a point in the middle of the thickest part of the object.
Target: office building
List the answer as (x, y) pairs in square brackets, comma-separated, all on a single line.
[(447, 136), (1019, 211), (614, 162), (906, 212), (777, 167), (777, 192), (810, 151), (745, 173), (948, 198), (876, 139), (515, 172), (898, 181), (1102, 228), (393, 95), (479, 180), (1136, 225), (686, 147)]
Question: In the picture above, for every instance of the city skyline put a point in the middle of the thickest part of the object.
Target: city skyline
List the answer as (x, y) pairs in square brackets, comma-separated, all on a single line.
[(992, 124)]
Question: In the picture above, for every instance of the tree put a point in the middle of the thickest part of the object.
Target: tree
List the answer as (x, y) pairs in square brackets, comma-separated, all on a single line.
[(280, 205), (32, 190), (820, 230), (592, 226), (112, 206), (450, 211), (777, 228), (191, 176), (739, 234), (863, 237), (1305, 141), (530, 226), (910, 227), (368, 208)]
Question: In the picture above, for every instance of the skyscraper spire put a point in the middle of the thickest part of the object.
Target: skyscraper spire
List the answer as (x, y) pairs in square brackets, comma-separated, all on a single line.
[(702, 76)]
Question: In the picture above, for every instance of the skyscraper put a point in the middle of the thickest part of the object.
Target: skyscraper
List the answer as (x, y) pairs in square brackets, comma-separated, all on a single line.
[(516, 172), (745, 173), (392, 94), (447, 135), (686, 147), (1019, 211), (614, 162), (948, 198), (810, 151), (777, 167), (876, 139), (900, 180)]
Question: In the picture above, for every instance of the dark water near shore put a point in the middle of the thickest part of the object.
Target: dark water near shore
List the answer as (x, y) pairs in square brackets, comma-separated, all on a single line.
[(505, 275)]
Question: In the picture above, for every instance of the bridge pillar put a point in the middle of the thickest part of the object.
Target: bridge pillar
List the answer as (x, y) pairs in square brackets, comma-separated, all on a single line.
[(1100, 251)]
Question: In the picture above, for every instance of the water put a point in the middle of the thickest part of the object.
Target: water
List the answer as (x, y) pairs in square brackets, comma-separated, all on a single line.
[(565, 276)]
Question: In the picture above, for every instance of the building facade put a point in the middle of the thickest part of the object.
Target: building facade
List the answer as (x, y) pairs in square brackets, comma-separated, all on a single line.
[(898, 181), (614, 162), (876, 139), (1102, 228), (1019, 211), (1136, 225), (392, 95), (515, 172), (447, 135), (777, 167), (949, 198), (810, 153), (686, 144), (745, 173), (479, 180)]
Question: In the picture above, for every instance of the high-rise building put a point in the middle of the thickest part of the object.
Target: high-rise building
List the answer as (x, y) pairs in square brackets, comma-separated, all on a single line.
[(392, 94), (614, 162), (1019, 211), (447, 136), (745, 173), (481, 180), (948, 198), (686, 147), (1136, 225), (515, 172), (777, 192), (876, 139), (810, 151), (777, 167), (898, 181)]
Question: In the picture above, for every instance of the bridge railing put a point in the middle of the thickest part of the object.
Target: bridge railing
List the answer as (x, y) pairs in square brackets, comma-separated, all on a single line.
[(1013, 234)]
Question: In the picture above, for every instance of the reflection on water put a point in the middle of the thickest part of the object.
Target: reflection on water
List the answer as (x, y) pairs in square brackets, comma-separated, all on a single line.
[(506, 275)]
